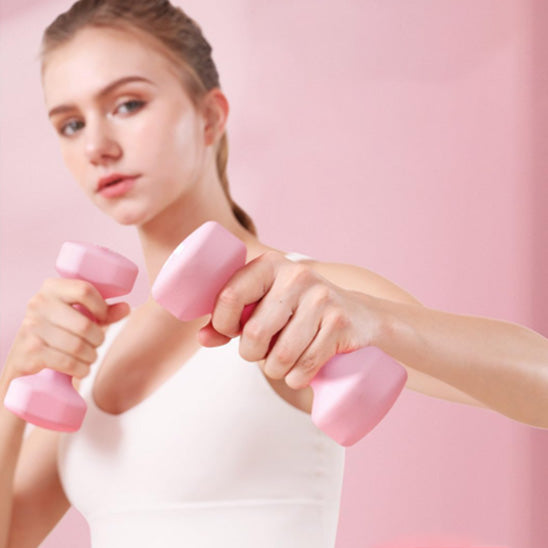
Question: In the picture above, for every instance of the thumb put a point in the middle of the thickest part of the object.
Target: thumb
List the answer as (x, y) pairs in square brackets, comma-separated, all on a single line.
[(116, 312), (207, 336)]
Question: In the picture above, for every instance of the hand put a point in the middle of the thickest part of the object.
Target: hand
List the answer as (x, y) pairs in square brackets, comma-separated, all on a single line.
[(300, 322), (55, 335)]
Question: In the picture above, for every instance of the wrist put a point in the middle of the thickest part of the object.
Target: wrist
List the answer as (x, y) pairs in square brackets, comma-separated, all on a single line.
[(378, 319), (5, 380), (384, 323), (392, 327)]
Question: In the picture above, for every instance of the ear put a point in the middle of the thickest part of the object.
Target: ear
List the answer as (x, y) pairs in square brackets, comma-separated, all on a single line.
[(215, 112)]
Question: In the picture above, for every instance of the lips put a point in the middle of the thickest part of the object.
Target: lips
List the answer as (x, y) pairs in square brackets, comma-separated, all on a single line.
[(113, 179)]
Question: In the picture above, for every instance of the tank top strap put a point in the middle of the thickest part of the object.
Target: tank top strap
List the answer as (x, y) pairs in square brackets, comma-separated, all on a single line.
[(296, 257)]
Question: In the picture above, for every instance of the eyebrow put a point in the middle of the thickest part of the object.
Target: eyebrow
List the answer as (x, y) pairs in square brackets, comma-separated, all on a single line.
[(107, 89)]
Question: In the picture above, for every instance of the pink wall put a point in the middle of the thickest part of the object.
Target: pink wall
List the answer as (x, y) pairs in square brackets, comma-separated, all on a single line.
[(412, 137)]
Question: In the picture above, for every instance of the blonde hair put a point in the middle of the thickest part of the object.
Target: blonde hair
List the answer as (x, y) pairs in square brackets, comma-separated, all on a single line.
[(183, 43)]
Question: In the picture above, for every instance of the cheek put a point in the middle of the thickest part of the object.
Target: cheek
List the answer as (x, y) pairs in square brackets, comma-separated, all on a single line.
[(183, 133), (170, 142), (73, 159)]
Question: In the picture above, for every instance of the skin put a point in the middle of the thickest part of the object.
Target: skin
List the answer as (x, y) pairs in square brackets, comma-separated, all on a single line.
[(317, 309), (167, 140), (172, 145)]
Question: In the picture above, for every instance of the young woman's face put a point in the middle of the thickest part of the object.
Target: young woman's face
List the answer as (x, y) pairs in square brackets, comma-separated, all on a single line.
[(119, 107)]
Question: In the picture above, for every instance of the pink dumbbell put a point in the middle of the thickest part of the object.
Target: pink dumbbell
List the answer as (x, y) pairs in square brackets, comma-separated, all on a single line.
[(352, 392), (48, 398)]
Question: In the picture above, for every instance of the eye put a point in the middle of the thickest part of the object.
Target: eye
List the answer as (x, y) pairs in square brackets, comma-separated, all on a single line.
[(132, 105), (70, 125)]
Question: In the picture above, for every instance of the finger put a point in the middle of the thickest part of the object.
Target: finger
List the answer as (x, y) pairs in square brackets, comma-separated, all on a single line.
[(292, 341), (248, 285), (317, 354), (267, 320), (291, 290), (66, 363), (207, 336), (68, 318), (80, 292), (116, 312), (52, 358), (60, 339)]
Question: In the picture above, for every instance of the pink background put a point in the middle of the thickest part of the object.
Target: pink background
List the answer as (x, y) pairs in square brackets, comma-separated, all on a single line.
[(405, 137)]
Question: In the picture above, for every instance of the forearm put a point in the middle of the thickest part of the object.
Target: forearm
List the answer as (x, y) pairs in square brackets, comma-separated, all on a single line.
[(501, 364), (12, 429)]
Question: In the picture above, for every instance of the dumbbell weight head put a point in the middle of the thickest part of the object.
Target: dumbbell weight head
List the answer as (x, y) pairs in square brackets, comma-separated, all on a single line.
[(352, 391)]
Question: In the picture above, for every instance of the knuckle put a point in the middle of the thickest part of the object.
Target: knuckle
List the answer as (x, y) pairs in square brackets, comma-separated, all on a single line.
[(253, 330), (321, 295), (309, 364), (338, 320), (36, 302), (34, 344), (283, 355), (301, 273), (229, 296), (84, 289)]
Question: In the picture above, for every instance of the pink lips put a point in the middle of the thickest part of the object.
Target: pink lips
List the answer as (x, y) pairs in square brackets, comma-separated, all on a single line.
[(115, 185)]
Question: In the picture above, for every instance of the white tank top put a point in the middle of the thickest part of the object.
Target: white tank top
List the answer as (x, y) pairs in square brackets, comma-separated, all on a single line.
[(213, 458)]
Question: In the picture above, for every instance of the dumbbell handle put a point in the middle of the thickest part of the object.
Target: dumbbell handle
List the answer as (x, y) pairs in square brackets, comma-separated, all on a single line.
[(352, 391), (48, 398)]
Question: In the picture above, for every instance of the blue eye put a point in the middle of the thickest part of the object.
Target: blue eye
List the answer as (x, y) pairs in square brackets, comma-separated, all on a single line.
[(136, 104), (75, 125), (70, 124)]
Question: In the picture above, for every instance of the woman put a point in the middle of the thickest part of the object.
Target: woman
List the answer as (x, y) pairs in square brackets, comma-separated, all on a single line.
[(184, 447)]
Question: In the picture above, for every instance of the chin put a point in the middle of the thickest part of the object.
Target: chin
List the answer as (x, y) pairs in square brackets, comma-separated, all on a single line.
[(126, 216), (127, 222)]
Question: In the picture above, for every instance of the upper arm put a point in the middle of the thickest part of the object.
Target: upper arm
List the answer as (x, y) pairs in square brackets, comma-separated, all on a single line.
[(39, 501), (366, 281)]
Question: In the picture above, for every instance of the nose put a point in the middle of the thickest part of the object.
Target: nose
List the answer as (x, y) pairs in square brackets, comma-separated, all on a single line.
[(101, 146)]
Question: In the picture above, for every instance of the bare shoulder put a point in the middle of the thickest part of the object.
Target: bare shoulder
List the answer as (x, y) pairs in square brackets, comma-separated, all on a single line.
[(361, 279), (353, 277)]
